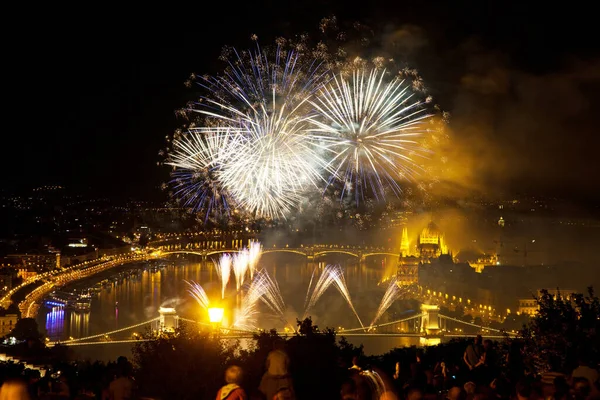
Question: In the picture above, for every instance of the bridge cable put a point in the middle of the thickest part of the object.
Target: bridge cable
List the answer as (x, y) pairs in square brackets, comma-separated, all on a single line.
[(107, 333), (477, 326), (384, 324)]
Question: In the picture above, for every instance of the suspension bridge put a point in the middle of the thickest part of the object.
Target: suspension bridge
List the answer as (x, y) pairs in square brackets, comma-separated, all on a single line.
[(428, 326)]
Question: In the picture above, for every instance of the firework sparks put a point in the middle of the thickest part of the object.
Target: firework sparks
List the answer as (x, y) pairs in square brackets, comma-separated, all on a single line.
[(372, 128), (332, 274), (261, 288), (196, 161), (272, 295), (265, 103), (240, 267), (254, 253), (223, 267), (198, 294), (317, 291), (392, 294)]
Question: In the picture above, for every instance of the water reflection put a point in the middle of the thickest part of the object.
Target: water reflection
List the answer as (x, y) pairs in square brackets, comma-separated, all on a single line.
[(79, 325), (136, 296), (55, 323)]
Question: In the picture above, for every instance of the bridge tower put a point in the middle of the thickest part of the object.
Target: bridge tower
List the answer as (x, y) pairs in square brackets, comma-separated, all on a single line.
[(430, 322), (430, 325), (168, 320)]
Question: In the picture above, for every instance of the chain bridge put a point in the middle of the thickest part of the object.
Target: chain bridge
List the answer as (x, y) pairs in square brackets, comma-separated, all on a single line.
[(427, 325)]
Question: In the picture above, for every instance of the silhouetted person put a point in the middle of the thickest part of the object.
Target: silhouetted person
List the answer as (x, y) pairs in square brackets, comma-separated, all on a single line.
[(418, 377), (277, 376), (584, 371), (581, 388), (348, 391), (414, 394), (523, 389), (14, 390), (514, 362), (488, 369), (63, 391), (232, 390), (561, 389), (469, 388), (283, 394), (122, 388), (33, 382), (455, 393), (473, 353)]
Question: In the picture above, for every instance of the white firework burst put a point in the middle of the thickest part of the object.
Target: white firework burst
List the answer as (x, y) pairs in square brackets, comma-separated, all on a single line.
[(265, 103), (197, 158), (372, 126)]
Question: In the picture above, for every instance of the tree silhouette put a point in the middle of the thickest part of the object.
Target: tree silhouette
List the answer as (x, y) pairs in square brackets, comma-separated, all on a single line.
[(565, 327), (306, 327), (25, 329), (183, 365)]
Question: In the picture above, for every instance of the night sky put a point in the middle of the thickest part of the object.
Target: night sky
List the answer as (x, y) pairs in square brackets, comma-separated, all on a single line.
[(92, 91)]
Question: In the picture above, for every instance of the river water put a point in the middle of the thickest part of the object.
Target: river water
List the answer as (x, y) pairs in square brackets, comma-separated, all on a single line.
[(134, 294)]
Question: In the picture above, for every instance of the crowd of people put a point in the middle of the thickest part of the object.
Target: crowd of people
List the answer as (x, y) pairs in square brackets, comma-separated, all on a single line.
[(435, 373), (114, 381), (480, 375)]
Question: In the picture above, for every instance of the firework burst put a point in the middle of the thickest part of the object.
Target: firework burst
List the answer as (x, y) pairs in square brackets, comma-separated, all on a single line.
[(371, 126), (266, 104), (196, 160)]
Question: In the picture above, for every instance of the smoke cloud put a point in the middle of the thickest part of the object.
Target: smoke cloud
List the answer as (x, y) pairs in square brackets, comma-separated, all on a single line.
[(511, 130)]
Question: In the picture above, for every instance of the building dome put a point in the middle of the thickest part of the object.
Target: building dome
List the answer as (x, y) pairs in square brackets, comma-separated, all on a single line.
[(431, 242), (431, 231)]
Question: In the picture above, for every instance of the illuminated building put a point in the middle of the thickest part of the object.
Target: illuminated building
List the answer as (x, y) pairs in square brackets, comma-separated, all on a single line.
[(7, 323), (19, 267), (5, 281), (26, 272), (431, 243), (529, 306), (408, 265), (404, 244), (78, 242), (484, 261), (8, 270), (408, 270), (39, 261)]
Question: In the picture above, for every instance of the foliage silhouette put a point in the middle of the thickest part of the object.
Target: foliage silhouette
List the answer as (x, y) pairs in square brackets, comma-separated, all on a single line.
[(565, 327)]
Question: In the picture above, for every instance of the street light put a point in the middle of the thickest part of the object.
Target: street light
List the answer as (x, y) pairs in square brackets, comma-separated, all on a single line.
[(215, 315)]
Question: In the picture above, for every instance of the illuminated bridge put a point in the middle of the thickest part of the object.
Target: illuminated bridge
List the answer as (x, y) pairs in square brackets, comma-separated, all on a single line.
[(311, 253), (427, 326)]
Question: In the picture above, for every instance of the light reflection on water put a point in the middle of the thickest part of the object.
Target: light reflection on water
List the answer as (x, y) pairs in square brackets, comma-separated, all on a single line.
[(134, 299), (55, 323)]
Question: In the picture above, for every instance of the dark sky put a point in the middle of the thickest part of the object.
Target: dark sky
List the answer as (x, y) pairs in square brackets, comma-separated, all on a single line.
[(92, 91)]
